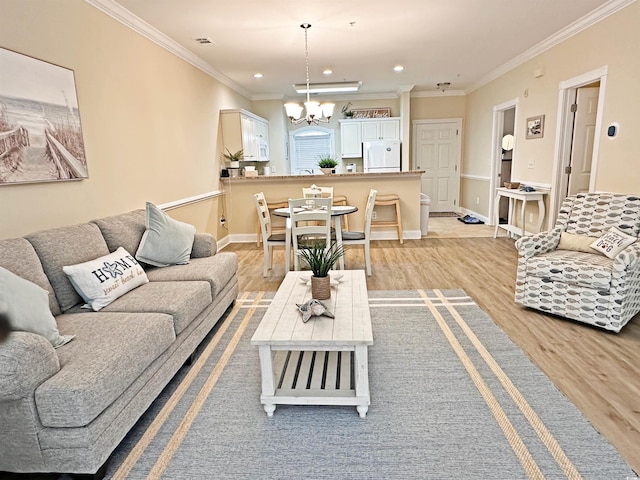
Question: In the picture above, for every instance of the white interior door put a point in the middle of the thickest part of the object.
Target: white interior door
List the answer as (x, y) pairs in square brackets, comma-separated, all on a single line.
[(436, 147), (583, 136)]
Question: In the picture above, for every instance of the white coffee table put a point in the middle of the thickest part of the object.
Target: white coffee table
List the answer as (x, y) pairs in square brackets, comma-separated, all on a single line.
[(323, 361)]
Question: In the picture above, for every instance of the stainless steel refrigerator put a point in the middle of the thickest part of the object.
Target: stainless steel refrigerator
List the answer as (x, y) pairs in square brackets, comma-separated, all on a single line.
[(381, 156)]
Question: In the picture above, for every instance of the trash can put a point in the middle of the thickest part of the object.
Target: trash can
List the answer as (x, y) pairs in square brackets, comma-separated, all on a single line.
[(425, 201)]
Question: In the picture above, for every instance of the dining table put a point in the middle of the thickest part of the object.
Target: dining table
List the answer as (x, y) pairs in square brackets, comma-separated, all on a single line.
[(337, 212)]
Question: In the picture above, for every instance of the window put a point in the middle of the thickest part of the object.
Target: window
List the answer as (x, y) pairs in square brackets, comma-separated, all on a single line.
[(309, 144)]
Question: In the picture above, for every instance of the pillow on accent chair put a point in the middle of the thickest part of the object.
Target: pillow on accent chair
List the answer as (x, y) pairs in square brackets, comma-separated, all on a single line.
[(99, 282), (577, 243), (27, 307), (612, 242), (166, 241)]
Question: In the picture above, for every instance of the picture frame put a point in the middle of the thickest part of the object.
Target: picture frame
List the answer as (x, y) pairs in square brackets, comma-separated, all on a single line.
[(40, 130), (371, 112), (535, 127)]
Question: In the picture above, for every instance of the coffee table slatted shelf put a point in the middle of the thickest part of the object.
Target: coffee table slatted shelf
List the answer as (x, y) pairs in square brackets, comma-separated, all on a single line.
[(323, 361)]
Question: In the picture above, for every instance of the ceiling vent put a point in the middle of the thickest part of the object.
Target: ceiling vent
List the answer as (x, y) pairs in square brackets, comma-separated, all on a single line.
[(204, 41)]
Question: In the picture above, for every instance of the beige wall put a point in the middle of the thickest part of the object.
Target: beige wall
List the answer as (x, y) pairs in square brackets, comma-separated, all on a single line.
[(445, 106), (149, 119), (612, 43)]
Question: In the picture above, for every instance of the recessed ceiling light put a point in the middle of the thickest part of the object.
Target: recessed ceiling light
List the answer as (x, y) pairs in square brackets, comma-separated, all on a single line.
[(327, 71), (398, 68), (258, 75)]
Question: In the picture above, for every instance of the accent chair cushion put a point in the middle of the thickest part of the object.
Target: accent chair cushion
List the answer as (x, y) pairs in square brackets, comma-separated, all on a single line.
[(166, 241), (612, 242), (27, 306), (99, 282)]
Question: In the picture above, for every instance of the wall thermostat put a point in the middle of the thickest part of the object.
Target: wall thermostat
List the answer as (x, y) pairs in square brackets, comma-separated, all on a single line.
[(612, 131)]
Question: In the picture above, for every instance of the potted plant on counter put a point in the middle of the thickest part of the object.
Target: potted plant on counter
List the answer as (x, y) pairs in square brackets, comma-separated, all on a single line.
[(234, 161), (327, 165), (320, 260)]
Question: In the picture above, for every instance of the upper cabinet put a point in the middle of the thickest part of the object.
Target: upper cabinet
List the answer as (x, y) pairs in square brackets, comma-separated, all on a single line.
[(354, 132), (244, 130)]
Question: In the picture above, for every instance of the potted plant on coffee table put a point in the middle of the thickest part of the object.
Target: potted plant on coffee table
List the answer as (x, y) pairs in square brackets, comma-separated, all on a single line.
[(321, 260), (327, 165)]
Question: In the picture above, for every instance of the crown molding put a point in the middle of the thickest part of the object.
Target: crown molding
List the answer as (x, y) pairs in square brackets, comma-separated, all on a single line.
[(576, 27), (128, 19)]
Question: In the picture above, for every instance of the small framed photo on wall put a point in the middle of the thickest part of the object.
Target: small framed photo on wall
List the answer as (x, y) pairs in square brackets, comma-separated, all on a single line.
[(535, 127)]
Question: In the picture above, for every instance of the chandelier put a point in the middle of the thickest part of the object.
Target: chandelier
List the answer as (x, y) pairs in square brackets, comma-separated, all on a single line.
[(316, 113)]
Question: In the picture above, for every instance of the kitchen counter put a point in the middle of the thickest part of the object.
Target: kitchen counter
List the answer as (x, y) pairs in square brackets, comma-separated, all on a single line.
[(322, 177), (241, 211)]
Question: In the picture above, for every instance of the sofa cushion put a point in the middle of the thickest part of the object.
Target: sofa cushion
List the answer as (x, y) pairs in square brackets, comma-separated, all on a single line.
[(110, 351), (99, 282), (67, 246), (577, 268), (165, 241), (218, 270), (182, 300), (27, 306), (123, 230), (18, 256)]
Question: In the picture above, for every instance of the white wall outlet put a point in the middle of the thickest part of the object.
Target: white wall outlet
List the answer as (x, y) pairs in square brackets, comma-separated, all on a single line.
[(373, 215), (477, 200), (273, 169), (531, 163), (531, 218)]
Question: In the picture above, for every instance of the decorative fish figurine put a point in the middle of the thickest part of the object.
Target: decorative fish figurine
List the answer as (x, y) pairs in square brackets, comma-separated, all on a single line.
[(313, 308)]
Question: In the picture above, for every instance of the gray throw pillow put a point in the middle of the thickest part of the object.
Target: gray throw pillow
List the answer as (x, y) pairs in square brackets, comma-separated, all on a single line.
[(27, 306), (166, 241)]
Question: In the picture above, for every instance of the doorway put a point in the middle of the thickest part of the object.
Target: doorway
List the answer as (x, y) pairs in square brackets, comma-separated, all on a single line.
[(577, 139), (437, 151), (502, 159)]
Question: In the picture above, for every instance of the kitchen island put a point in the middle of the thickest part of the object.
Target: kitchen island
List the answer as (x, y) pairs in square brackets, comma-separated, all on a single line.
[(241, 213)]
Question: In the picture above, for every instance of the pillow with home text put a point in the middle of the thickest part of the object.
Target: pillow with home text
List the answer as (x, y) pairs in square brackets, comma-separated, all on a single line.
[(99, 282)]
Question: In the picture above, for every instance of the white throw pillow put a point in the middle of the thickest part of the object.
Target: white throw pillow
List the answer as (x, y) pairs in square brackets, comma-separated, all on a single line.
[(27, 306), (613, 242), (99, 282), (166, 241)]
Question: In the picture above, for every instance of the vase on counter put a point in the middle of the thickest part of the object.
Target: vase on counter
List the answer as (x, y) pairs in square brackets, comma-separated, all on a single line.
[(328, 171)]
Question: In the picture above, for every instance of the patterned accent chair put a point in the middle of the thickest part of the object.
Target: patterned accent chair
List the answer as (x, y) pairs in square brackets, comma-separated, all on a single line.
[(587, 287)]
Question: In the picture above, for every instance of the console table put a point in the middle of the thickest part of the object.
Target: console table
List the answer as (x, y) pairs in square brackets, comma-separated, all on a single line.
[(514, 194)]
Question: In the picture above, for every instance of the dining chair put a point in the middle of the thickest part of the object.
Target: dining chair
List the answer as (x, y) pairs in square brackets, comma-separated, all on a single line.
[(317, 192), (310, 222), (269, 239), (363, 238)]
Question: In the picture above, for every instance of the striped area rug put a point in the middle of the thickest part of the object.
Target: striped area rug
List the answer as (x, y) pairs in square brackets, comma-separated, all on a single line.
[(451, 398)]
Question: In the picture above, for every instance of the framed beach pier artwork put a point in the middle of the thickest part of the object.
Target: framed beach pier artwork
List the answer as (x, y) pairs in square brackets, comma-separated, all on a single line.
[(40, 132)]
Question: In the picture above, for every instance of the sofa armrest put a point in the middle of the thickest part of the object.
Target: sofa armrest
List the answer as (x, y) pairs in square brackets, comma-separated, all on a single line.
[(204, 245), (538, 243), (26, 361), (627, 258)]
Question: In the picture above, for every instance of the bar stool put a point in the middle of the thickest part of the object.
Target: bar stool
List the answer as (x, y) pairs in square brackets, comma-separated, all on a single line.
[(342, 200), (272, 206), (389, 199)]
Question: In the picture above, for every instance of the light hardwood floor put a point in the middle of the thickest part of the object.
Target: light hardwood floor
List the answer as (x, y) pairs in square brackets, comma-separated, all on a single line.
[(596, 370)]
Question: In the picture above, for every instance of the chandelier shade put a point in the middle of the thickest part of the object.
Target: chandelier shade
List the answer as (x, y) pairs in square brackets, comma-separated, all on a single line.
[(315, 113)]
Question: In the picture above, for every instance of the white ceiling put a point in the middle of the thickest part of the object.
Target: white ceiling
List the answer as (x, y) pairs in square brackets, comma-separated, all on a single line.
[(457, 41)]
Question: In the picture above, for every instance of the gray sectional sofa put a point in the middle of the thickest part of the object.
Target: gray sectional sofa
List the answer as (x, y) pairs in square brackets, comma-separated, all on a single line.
[(66, 409)]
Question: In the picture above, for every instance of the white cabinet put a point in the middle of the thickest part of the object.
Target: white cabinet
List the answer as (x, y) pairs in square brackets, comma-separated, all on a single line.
[(354, 132), (388, 129), (351, 140), (244, 130)]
